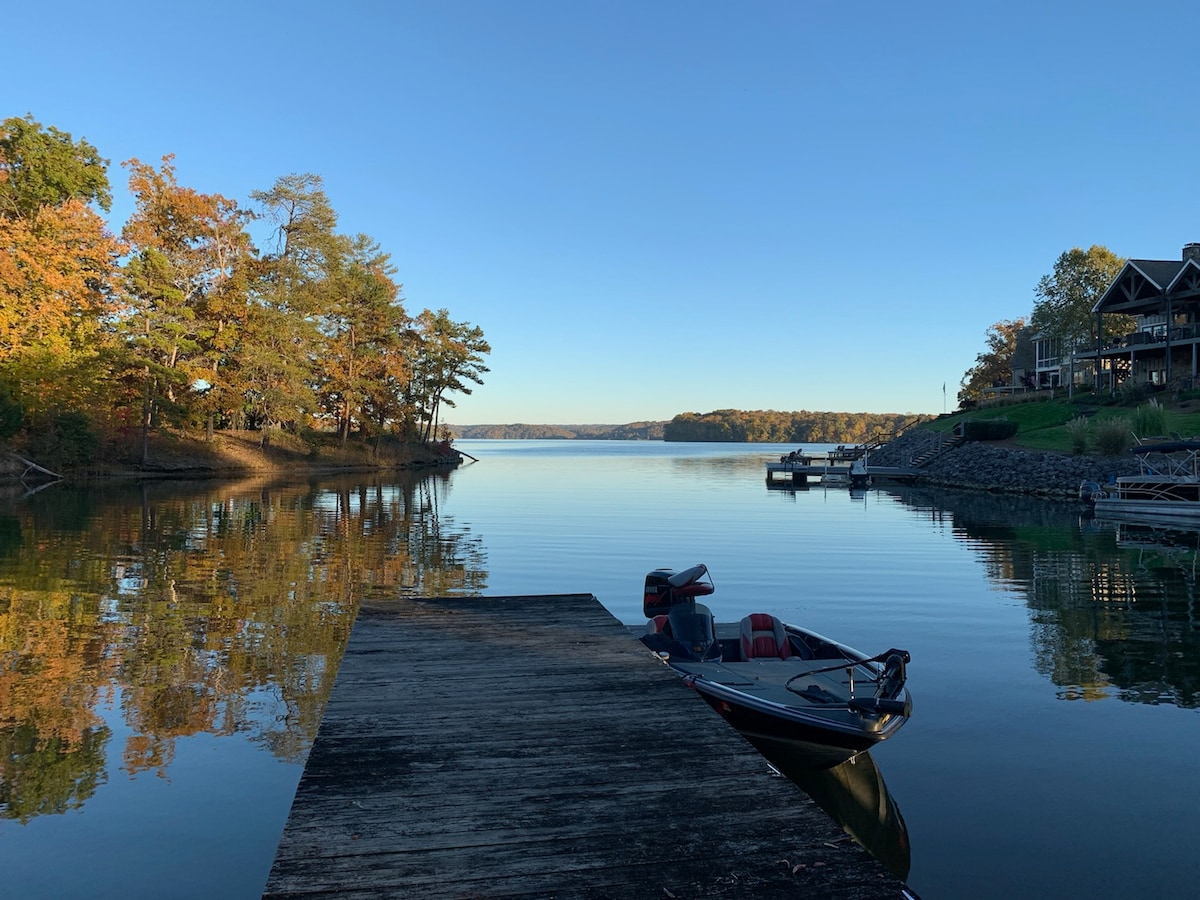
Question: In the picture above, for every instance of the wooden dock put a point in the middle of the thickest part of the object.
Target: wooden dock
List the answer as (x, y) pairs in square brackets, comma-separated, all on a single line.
[(798, 473), (529, 747)]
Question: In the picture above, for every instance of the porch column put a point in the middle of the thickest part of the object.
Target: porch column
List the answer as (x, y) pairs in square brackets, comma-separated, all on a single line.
[(1170, 320)]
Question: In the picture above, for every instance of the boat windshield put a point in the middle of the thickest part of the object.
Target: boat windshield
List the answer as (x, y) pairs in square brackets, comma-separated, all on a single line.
[(692, 627)]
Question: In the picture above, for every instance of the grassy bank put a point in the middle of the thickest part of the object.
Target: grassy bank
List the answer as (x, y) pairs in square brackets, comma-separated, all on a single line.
[(1042, 421)]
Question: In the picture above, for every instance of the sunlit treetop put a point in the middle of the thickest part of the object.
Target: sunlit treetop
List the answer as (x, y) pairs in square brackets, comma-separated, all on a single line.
[(45, 167)]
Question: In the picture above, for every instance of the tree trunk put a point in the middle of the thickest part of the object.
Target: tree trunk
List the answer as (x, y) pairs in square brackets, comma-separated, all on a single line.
[(146, 415)]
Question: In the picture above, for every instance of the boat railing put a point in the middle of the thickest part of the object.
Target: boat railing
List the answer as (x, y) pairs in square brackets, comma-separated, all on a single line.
[(1169, 457)]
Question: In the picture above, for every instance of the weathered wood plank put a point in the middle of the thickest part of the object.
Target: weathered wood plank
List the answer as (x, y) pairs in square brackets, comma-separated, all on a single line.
[(528, 747)]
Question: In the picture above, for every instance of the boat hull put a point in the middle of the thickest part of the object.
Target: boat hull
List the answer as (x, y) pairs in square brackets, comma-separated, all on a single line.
[(753, 697), (820, 745)]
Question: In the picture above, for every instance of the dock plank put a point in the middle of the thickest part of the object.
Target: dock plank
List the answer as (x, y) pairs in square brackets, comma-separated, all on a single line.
[(528, 747)]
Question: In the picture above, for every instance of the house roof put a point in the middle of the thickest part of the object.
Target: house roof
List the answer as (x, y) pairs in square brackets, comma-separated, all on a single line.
[(1143, 285)]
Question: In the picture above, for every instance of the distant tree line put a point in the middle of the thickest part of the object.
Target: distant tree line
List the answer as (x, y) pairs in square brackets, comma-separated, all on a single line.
[(634, 431), (180, 322), (770, 426)]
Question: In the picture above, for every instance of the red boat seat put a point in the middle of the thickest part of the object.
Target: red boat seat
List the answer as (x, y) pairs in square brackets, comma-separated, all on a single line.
[(763, 637)]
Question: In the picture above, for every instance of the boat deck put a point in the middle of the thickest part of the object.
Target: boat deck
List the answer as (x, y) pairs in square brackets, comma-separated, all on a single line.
[(530, 747)]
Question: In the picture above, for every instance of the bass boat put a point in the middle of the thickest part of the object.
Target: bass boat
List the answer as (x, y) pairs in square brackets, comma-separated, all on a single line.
[(773, 681)]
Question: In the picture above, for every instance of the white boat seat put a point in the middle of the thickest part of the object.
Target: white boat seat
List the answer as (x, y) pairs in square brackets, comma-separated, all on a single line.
[(763, 637)]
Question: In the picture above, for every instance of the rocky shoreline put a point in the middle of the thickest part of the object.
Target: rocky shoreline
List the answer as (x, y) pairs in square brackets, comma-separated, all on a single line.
[(986, 466)]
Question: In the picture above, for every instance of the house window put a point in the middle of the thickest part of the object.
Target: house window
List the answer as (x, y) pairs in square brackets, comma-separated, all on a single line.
[(1049, 353), (1155, 326)]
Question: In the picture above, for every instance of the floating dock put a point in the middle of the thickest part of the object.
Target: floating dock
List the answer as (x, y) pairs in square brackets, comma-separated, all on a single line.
[(818, 468), (529, 747)]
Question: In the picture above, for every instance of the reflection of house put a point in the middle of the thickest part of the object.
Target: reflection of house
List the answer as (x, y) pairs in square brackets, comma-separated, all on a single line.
[(1164, 297)]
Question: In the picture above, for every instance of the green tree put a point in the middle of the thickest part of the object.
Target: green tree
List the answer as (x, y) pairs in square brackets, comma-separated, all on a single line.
[(450, 354), (281, 343), (1066, 296), (45, 167), (995, 363), (363, 324)]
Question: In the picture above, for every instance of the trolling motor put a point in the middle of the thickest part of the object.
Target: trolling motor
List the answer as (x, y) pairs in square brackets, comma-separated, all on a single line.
[(891, 683)]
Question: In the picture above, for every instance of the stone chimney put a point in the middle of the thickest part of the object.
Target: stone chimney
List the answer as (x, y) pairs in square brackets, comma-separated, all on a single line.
[(1191, 251)]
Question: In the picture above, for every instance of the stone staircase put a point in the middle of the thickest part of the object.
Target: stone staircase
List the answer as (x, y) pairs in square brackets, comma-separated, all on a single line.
[(928, 455)]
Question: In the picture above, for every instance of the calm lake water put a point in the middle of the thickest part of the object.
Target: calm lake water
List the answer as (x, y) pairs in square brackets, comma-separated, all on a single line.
[(166, 651)]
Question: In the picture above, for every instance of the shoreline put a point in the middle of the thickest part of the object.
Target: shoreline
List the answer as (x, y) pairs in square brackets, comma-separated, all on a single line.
[(233, 454), (995, 468)]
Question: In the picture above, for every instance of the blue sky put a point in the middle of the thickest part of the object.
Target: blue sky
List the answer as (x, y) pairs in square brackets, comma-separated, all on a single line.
[(663, 206)]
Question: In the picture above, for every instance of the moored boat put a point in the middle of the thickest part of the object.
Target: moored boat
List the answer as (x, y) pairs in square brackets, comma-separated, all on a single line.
[(775, 681), (1166, 488)]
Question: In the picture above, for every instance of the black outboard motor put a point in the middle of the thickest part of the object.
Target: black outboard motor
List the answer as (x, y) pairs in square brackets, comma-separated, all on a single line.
[(657, 598), (1090, 492), (688, 631), (666, 588)]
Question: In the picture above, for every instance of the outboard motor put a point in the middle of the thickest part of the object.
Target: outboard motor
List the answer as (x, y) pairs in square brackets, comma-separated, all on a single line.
[(657, 597), (689, 632), (666, 588)]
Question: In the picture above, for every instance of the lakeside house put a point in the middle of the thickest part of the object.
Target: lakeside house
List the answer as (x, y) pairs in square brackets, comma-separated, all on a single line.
[(1037, 364), (1163, 297)]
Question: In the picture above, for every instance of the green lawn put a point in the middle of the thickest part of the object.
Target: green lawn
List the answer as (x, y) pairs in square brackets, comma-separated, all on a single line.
[(1041, 425)]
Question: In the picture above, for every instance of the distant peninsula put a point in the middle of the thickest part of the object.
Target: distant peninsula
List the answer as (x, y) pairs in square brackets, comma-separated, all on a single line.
[(722, 425), (634, 431)]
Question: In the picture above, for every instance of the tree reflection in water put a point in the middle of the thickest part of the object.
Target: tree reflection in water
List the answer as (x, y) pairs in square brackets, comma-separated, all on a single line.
[(1113, 604), (208, 607)]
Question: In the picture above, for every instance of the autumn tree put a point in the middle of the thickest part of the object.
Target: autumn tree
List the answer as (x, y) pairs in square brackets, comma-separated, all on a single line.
[(57, 261), (188, 248), (993, 365)]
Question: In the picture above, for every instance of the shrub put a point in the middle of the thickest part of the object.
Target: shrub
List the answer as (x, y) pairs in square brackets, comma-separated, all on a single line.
[(67, 442), (1132, 391), (1077, 428), (989, 429), (11, 414), (1150, 418), (1112, 435)]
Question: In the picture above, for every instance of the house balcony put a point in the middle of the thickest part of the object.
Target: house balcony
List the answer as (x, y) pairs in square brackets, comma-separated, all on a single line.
[(1143, 340)]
